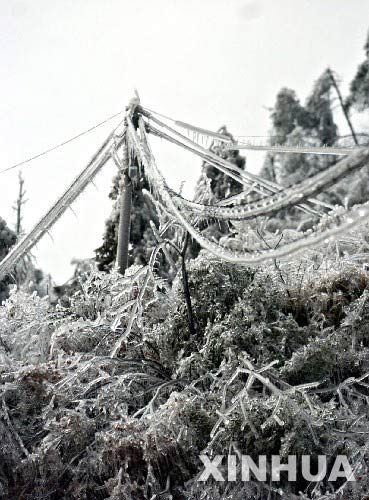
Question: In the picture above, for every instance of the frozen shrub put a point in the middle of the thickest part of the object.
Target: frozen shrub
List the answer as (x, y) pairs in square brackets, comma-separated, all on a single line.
[(111, 397)]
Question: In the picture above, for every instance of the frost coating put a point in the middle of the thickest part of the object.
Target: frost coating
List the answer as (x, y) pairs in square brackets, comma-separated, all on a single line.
[(62, 204), (307, 240)]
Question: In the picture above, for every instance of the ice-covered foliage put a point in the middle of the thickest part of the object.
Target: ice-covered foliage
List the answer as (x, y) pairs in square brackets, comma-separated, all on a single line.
[(276, 366), (115, 391), (359, 86), (7, 240)]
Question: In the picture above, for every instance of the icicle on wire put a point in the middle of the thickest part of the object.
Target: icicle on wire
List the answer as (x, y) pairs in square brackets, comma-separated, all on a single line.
[(286, 199), (317, 150), (245, 178), (268, 185), (61, 205), (279, 148), (309, 239), (243, 181)]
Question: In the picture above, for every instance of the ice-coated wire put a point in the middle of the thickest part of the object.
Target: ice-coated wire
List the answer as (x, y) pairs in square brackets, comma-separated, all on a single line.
[(277, 148), (61, 144), (310, 238), (218, 164), (62, 204), (287, 198), (281, 148), (245, 178), (245, 182)]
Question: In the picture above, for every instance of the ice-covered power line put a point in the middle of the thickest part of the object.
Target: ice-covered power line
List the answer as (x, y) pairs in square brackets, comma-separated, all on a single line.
[(140, 122), (61, 144), (289, 196), (259, 185), (244, 142), (282, 148), (306, 240), (62, 204)]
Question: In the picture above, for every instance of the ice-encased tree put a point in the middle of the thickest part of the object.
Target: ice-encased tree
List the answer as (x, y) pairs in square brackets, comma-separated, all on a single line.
[(25, 273), (319, 109), (294, 124), (359, 87), (354, 189), (142, 238), (213, 186), (287, 114), (221, 185)]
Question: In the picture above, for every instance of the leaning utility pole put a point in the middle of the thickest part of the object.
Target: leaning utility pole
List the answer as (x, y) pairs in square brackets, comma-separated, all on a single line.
[(344, 108)]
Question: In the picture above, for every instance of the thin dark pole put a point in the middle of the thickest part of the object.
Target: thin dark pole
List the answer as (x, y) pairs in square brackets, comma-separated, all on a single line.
[(125, 215), (186, 288), (344, 108)]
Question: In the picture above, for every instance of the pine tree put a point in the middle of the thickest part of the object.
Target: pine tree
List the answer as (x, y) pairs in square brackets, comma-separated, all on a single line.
[(295, 124), (359, 87), (353, 189)]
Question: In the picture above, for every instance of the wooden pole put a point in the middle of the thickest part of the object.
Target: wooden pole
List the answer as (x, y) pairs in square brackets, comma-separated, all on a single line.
[(125, 215), (186, 287), (344, 109)]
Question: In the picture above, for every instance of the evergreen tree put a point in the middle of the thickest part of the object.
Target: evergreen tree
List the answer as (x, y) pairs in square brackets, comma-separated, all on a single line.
[(7, 240), (295, 124), (359, 87), (319, 109), (221, 185), (213, 186), (286, 115)]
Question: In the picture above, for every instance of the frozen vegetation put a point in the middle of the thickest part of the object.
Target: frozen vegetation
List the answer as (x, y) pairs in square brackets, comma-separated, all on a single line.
[(278, 364), (238, 328)]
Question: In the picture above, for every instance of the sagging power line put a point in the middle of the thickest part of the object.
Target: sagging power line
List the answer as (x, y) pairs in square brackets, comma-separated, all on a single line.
[(61, 144), (131, 136)]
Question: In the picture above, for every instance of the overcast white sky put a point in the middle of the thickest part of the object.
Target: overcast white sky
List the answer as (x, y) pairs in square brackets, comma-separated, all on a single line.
[(68, 64)]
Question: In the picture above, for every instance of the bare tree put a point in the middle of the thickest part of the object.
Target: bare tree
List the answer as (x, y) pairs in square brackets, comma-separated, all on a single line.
[(19, 204)]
